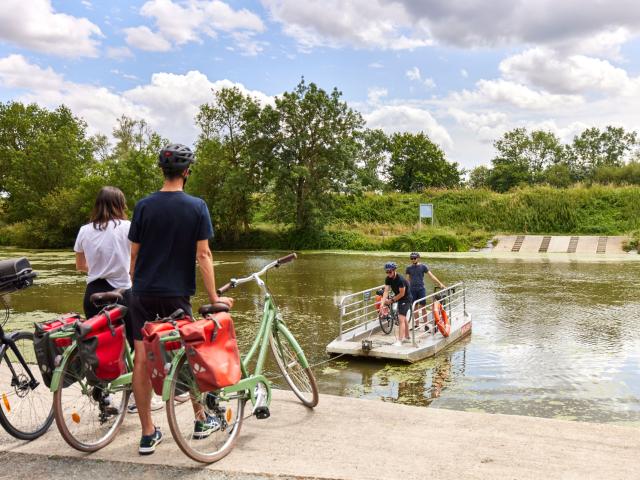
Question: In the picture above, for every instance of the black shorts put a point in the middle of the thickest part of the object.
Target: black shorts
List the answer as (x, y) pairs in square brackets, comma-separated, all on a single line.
[(404, 306), (419, 292), (90, 310), (145, 308)]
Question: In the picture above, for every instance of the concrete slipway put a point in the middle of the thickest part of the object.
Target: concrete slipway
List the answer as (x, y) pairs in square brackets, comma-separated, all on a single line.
[(347, 438)]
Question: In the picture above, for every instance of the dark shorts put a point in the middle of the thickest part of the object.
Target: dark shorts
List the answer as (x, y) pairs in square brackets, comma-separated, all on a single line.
[(145, 308), (417, 293), (90, 310), (404, 306)]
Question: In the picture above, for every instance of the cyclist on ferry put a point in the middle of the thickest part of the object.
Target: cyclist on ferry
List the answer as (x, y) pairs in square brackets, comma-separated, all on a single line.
[(169, 231), (415, 275), (402, 296)]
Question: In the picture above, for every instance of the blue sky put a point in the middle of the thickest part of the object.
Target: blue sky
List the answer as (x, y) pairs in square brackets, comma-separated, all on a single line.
[(463, 72)]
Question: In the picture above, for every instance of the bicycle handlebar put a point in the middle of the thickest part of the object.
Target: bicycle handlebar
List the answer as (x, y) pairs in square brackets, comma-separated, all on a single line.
[(237, 281)]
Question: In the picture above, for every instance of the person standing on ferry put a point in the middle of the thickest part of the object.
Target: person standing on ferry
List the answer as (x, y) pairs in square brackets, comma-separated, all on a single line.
[(415, 276), (397, 283)]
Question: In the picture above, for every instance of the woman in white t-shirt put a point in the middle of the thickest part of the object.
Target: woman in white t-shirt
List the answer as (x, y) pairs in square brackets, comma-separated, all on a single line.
[(103, 249)]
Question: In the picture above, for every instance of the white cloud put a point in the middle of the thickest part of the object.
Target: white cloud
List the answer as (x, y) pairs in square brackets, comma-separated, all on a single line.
[(502, 91), (464, 73), (35, 25), (169, 102), (364, 24), (414, 75), (549, 70), (376, 65), (179, 23), (144, 39), (486, 126), (119, 53), (376, 93), (407, 118), (573, 25)]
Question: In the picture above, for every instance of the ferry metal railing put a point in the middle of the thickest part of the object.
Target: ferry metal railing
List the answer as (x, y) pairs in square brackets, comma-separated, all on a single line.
[(357, 310), (453, 298)]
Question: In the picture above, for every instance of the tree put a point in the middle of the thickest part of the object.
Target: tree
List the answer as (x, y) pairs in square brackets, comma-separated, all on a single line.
[(479, 177), (132, 166), (372, 159), (41, 151), (236, 142), (315, 154), (523, 158), (417, 163), (595, 148)]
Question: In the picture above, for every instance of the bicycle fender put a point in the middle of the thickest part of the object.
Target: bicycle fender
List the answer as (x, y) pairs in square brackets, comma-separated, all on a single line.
[(166, 386), (57, 373)]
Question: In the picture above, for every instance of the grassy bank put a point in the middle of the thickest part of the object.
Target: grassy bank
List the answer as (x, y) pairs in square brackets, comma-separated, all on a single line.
[(466, 219)]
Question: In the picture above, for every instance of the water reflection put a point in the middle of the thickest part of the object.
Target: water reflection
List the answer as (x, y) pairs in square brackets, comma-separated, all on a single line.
[(557, 340)]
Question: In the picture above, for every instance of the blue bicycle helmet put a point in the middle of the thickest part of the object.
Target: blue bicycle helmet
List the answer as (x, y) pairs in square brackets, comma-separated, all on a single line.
[(390, 266), (414, 255)]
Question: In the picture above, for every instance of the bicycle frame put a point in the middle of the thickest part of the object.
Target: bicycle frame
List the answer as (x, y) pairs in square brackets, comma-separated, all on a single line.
[(120, 383), (7, 341), (271, 321)]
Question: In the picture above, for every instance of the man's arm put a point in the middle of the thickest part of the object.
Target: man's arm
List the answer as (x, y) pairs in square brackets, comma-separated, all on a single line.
[(135, 248), (205, 262), (401, 292), (81, 262), (433, 277)]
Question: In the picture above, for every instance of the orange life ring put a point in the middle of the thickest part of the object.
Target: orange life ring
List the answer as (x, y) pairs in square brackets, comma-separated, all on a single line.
[(441, 318)]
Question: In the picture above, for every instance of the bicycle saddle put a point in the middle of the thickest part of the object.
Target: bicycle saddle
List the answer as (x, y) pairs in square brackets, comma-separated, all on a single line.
[(213, 308), (105, 298)]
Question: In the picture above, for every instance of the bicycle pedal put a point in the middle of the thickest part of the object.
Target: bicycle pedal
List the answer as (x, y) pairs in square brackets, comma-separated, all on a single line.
[(262, 412)]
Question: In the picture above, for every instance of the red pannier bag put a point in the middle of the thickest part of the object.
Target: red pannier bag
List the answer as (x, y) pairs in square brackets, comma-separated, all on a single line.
[(47, 349), (101, 344), (212, 350), (159, 354)]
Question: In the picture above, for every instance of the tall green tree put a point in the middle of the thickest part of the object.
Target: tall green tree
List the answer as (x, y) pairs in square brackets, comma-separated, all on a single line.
[(595, 148), (41, 151), (417, 163), (315, 154), (132, 165), (236, 142), (372, 159), (479, 177), (523, 158)]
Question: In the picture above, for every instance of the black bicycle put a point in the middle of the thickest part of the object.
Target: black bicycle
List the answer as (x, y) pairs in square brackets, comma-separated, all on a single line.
[(25, 401)]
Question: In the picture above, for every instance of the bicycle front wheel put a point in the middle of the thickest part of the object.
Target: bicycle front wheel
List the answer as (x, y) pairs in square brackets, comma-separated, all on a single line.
[(287, 353), (386, 323), (207, 427), (88, 416), (25, 406)]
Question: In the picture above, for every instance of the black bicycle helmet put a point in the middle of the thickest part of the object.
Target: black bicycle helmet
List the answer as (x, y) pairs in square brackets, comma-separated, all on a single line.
[(176, 157), (390, 266), (414, 255)]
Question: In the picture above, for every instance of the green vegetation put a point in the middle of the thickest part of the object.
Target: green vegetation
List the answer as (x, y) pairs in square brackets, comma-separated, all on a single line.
[(305, 173)]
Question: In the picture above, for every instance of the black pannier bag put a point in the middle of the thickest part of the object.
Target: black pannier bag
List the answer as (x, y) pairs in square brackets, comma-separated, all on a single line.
[(49, 349), (15, 274)]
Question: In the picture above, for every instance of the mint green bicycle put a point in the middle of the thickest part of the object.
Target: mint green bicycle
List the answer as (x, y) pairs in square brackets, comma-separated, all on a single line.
[(223, 410)]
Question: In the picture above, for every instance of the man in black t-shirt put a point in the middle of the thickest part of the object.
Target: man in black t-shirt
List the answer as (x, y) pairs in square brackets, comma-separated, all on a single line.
[(169, 231), (396, 283), (415, 276)]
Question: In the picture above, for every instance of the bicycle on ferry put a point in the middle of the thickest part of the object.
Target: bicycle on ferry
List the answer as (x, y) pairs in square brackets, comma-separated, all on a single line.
[(25, 402)]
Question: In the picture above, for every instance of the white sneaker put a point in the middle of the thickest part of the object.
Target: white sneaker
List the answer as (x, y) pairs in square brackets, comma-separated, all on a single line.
[(156, 404), (397, 344)]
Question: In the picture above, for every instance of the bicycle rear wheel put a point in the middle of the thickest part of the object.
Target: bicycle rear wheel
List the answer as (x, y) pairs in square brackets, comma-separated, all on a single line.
[(299, 378), (214, 434), (88, 416), (25, 408)]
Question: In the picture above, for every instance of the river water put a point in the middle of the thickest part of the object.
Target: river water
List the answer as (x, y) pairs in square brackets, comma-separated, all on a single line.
[(550, 339)]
